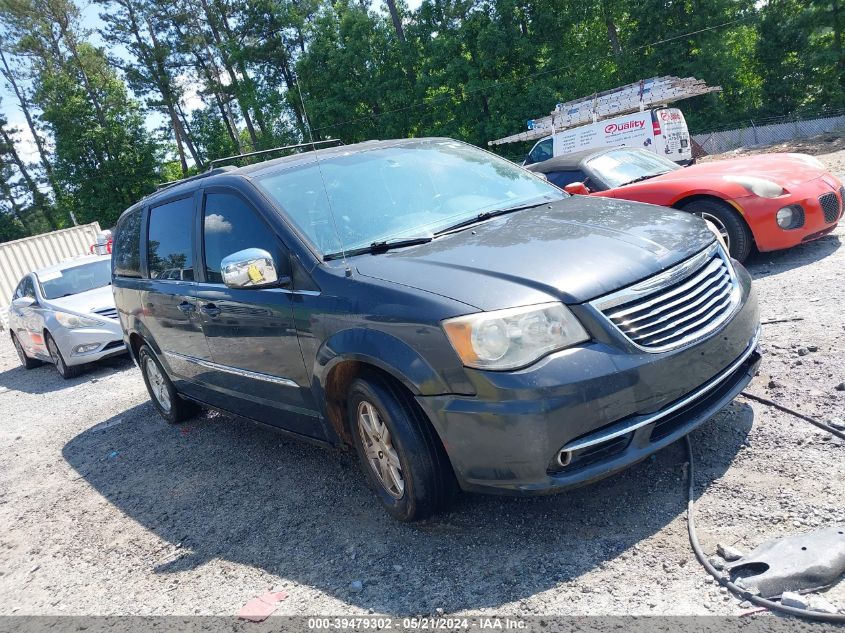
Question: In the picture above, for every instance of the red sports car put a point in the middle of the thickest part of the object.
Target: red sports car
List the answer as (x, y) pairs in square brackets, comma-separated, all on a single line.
[(770, 201)]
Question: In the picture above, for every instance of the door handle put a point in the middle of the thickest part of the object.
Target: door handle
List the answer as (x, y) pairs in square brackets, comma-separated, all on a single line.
[(210, 309), (186, 307)]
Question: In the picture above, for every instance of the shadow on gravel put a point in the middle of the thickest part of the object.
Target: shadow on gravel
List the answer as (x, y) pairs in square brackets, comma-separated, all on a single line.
[(45, 379), (765, 264), (219, 488)]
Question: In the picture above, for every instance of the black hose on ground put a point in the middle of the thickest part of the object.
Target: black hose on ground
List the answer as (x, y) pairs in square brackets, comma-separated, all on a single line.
[(818, 616), (797, 414)]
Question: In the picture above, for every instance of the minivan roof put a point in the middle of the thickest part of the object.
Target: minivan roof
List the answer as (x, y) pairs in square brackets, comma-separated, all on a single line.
[(189, 184)]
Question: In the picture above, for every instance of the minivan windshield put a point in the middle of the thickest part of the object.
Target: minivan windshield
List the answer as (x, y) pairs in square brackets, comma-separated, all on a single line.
[(71, 281), (623, 166), (411, 190)]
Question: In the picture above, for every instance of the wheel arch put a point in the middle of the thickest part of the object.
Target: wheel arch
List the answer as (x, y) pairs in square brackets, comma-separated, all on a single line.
[(352, 353)]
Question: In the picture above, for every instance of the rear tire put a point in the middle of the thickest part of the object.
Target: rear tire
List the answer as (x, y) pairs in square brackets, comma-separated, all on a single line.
[(399, 451), (26, 361), (167, 401), (728, 222), (65, 371)]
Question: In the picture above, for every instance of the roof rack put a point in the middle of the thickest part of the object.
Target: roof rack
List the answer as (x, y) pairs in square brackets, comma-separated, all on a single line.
[(274, 149), (212, 170)]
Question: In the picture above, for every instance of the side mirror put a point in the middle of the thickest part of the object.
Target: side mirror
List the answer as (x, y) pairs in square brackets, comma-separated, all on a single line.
[(23, 302), (577, 189), (251, 268)]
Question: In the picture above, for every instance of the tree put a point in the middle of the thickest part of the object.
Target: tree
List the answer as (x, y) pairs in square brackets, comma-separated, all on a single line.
[(100, 186)]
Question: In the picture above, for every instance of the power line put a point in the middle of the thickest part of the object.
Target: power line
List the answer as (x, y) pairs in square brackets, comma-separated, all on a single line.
[(495, 83)]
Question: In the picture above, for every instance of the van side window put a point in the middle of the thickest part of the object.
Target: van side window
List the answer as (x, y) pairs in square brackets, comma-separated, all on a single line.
[(231, 225), (542, 151), (170, 253), (127, 246)]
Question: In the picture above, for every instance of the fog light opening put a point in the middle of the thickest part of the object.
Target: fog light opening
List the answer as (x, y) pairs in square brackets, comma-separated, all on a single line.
[(790, 217), (564, 458), (84, 349)]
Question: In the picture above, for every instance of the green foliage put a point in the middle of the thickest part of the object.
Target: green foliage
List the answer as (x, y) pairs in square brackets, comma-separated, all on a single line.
[(106, 159), (470, 69)]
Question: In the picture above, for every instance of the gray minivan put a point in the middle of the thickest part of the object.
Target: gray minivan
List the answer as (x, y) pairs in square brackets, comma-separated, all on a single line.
[(459, 321)]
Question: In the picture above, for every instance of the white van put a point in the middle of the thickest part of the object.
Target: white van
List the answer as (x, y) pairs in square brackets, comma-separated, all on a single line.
[(661, 130)]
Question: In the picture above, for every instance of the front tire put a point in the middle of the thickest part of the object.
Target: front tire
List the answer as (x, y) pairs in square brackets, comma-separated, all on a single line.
[(402, 457), (65, 371), (728, 222), (26, 361), (167, 401)]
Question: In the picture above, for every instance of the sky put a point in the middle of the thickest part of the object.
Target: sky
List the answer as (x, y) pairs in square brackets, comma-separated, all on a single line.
[(90, 20)]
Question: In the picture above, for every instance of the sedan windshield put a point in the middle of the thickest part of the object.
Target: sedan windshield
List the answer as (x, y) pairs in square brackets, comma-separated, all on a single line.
[(411, 190), (70, 281), (624, 166)]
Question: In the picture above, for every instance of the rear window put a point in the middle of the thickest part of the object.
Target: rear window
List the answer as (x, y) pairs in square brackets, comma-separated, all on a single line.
[(170, 253), (127, 245)]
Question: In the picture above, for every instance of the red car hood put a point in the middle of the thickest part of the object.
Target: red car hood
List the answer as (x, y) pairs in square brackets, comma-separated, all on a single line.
[(787, 170)]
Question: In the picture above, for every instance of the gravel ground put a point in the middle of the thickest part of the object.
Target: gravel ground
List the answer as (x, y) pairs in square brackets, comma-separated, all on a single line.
[(107, 510)]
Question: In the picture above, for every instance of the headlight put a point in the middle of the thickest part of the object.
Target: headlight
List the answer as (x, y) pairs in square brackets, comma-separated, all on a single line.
[(74, 321), (507, 339), (758, 186)]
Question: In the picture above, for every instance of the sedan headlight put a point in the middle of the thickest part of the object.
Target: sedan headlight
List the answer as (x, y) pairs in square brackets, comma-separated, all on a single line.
[(512, 338), (75, 321), (758, 186)]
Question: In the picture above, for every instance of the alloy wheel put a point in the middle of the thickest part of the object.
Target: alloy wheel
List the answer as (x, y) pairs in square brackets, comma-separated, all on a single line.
[(158, 384), (378, 447), (56, 356), (19, 350), (719, 226)]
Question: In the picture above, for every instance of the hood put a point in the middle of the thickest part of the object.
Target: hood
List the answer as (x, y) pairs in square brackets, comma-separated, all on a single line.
[(86, 302), (572, 250), (787, 170)]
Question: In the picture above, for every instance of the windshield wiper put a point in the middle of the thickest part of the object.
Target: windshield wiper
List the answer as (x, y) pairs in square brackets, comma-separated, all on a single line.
[(641, 178), (382, 246), (486, 215)]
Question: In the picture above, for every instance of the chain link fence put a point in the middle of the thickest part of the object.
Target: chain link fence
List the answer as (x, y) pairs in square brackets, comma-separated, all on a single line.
[(768, 132)]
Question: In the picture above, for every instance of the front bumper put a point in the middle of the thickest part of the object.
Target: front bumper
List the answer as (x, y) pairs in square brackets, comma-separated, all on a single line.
[(108, 341), (607, 404), (760, 214)]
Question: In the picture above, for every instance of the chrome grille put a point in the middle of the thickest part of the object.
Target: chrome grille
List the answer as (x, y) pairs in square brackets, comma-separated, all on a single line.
[(830, 207), (678, 306), (109, 313)]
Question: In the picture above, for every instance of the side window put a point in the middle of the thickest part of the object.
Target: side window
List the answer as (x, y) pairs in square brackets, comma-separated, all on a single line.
[(231, 225), (127, 246), (170, 253), (26, 288), (542, 151), (563, 178)]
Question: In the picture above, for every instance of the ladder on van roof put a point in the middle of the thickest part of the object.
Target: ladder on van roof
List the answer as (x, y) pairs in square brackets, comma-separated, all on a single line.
[(634, 97)]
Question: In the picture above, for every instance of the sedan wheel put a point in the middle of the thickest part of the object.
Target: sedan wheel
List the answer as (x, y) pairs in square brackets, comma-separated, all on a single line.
[(26, 361), (65, 371), (381, 455)]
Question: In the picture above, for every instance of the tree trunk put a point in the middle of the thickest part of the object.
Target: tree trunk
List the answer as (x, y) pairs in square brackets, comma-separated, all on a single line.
[(17, 211), (189, 142), (39, 200), (230, 70), (39, 144), (397, 20), (613, 36)]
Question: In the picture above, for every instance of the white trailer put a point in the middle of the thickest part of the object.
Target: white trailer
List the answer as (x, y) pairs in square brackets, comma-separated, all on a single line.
[(31, 253)]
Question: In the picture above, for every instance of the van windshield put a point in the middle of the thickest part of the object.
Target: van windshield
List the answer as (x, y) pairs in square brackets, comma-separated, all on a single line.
[(71, 281), (623, 166), (411, 190)]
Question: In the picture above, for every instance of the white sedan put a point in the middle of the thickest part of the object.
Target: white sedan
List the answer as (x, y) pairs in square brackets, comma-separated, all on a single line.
[(65, 315)]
